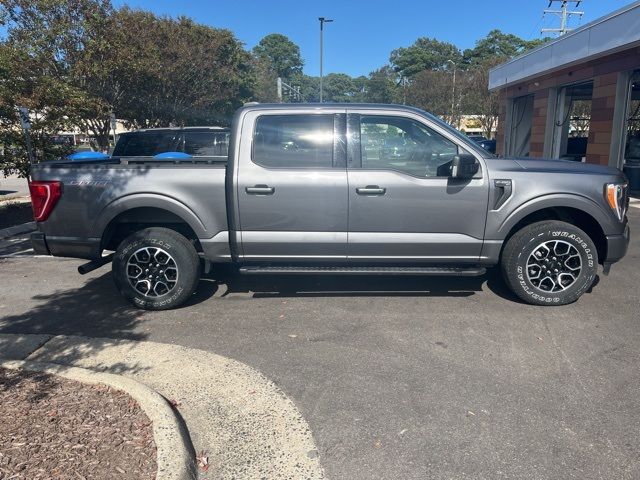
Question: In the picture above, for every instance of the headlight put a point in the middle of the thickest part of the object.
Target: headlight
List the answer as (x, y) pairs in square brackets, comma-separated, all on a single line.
[(617, 196)]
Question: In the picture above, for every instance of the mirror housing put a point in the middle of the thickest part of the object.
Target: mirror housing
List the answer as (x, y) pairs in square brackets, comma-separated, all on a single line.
[(464, 166)]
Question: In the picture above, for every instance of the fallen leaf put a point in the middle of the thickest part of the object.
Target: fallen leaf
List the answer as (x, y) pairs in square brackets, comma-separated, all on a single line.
[(203, 461)]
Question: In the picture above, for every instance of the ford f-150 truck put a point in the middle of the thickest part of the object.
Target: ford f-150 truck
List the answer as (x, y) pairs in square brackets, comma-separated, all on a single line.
[(335, 189)]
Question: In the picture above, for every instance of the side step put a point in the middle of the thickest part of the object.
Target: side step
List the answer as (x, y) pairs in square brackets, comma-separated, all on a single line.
[(302, 270)]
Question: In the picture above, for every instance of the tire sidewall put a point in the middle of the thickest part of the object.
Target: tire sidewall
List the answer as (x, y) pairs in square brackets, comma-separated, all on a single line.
[(572, 235), (173, 246)]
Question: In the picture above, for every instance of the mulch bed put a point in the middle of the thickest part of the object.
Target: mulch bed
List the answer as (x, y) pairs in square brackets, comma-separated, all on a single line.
[(54, 428), (12, 213)]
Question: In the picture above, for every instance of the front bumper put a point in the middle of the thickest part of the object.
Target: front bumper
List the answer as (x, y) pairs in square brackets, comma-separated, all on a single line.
[(617, 246), (88, 248)]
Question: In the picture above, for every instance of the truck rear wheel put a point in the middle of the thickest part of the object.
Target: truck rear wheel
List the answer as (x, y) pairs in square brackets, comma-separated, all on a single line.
[(549, 263), (156, 268)]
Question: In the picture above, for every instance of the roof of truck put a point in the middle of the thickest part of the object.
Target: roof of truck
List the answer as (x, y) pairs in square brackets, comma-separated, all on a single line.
[(161, 129), (319, 106)]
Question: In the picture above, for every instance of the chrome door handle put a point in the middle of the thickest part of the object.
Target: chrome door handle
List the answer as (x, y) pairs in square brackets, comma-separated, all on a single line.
[(371, 190), (260, 190)]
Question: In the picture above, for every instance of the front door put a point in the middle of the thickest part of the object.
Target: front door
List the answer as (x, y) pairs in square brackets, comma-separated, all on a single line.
[(292, 187), (403, 206)]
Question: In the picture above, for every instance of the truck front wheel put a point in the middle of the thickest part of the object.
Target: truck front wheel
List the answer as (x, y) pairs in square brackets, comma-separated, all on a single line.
[(156, 268), (549, 263)]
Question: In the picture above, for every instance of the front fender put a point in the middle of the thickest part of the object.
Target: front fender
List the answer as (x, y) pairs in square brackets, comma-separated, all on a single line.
[(129, 202), (502, 226)]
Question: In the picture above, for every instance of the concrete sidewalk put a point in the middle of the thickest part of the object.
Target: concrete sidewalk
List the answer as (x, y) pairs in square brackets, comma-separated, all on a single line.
[(236, 417)]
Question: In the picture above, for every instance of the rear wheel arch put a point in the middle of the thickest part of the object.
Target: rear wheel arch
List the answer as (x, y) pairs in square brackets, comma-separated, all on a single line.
[(135, 219)]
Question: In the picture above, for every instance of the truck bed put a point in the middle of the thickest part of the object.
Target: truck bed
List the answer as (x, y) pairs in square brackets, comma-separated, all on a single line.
[(95, 193)]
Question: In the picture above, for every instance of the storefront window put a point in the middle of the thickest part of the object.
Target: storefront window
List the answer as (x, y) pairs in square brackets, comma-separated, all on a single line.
[(573, 119), (632, 146), (520, 132)]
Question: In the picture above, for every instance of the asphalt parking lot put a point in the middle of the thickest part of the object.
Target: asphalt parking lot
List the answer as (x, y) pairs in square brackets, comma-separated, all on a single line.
[(406, 378)]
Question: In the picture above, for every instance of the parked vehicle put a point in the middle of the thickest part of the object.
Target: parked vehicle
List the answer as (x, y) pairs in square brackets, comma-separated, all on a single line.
[(305, 191), (484, 142), (194, 141)]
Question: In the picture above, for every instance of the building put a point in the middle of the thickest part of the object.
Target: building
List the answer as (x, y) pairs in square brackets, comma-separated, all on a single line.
[(576, 97)]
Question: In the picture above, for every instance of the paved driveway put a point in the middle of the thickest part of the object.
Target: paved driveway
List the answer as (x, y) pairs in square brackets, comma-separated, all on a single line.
[(398, 377), (12, 186)]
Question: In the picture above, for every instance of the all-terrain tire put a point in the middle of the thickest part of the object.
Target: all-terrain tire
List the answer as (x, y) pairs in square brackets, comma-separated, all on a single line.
[(156, 268), (532, 258)]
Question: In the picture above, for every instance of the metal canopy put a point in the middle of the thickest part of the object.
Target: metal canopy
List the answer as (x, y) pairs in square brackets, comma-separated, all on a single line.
[(617, 31)]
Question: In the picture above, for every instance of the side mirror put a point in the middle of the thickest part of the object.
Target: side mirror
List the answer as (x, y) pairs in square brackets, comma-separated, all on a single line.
[(464, 166)]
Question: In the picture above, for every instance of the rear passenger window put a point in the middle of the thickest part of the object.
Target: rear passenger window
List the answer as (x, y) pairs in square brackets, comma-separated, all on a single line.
[(294, 141)]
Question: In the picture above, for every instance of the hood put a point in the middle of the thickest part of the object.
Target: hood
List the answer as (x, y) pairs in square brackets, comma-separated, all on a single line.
[(564, 166)]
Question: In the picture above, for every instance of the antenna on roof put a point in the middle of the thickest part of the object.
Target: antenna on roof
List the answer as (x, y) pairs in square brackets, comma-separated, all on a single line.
[(564, 13)]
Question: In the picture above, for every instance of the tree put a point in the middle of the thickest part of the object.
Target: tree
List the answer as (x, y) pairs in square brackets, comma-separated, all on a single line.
[(281, 54), (73, 63), (193, 73), (431, 91), (36, 55), (340, 88), (424, 54), (382, 86), (478, 100), (499, 45)]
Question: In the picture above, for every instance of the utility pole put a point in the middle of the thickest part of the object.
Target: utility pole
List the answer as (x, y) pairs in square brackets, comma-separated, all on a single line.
[(25, 122), (322, 22), (453, 91), (564, 13)]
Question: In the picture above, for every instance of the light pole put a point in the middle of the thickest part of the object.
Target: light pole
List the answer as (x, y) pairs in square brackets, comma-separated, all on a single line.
[(453, 90), (322, 22)]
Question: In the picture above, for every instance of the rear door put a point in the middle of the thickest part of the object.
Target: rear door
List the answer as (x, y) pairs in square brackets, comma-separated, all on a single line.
[(292, 186), (403, 206)]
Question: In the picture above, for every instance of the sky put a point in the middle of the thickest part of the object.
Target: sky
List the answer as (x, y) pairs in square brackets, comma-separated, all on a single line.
[(364, 32)]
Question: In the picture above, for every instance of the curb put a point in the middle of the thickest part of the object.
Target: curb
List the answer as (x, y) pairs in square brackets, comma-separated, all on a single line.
[(17, 229), (243, 424), (175, 457)]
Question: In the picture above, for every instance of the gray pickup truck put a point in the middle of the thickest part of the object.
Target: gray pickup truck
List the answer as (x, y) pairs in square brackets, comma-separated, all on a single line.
[(335, 189)]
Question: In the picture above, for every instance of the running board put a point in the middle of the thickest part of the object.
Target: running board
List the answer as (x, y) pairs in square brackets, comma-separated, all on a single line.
[(435, 271)]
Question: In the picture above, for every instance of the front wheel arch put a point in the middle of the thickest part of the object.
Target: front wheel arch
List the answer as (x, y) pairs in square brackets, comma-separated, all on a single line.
[(573, 216)]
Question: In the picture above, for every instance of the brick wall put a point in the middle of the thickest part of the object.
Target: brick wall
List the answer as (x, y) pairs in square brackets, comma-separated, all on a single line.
[(601, 126)]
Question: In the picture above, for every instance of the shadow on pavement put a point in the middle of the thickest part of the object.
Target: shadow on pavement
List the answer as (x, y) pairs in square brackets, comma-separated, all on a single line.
[(360, 286)]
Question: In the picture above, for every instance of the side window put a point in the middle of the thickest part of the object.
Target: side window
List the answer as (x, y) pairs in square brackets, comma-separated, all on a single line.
[(401, 144), (206, 144), (144, 144), (293, 141)]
